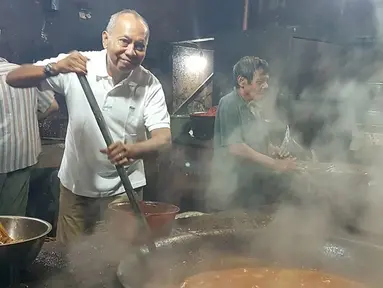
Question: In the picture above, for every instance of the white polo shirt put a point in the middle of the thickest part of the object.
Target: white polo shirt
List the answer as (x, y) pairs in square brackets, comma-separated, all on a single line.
[(129, 107)]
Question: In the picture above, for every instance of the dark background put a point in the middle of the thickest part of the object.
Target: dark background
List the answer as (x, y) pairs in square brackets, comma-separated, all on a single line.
[(21, 21)]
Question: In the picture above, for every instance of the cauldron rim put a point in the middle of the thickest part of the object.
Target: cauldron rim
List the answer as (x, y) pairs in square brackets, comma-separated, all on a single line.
[(190, 235), (169, 242), (173, 209)]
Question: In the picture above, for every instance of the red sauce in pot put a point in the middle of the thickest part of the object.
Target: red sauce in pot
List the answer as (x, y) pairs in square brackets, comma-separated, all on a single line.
[(210, 113)]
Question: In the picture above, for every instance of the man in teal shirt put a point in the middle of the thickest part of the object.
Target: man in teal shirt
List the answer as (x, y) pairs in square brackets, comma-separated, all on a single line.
[(242, 168)]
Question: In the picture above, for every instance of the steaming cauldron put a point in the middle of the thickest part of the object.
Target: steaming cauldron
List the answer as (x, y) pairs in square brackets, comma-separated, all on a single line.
[(184, 255)]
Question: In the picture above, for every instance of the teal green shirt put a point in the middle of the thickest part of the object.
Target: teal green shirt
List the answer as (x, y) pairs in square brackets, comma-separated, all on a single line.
[(239, 122)]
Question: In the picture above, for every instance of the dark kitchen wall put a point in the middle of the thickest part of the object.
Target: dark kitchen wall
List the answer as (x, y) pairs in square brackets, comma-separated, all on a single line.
[(325, 18), (21, 23)]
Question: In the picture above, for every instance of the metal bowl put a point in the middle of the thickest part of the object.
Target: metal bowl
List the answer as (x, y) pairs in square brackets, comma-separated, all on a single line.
[(32, 231), (160, 218)]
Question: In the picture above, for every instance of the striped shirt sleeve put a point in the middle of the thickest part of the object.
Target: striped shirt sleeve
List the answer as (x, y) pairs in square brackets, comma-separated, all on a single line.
[(19, 131), (44, 100)]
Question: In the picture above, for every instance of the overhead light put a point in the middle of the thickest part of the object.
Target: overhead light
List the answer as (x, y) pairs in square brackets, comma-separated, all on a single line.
[(196, 63)]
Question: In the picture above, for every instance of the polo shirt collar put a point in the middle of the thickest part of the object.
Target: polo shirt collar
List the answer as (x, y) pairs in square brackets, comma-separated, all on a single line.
[(100, 66)]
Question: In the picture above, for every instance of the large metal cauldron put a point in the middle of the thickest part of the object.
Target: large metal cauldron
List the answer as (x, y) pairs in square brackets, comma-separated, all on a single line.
[(32, 231), (183, 255)]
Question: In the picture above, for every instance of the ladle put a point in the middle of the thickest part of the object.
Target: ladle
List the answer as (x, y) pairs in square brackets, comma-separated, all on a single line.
[(143, 225)]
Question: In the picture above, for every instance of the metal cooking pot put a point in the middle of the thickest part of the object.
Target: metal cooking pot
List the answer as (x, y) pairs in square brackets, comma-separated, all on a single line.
[(190, 253), (32, 231)]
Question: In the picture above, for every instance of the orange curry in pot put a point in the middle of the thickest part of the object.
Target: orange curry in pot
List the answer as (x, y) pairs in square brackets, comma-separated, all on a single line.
[(266, 277)]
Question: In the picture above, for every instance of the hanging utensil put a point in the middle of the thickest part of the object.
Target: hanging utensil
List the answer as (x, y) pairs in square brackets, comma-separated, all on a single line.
[(120, 169)]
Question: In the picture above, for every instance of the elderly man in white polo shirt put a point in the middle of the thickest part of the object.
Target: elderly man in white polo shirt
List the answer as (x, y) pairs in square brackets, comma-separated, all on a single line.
[(131, 99)]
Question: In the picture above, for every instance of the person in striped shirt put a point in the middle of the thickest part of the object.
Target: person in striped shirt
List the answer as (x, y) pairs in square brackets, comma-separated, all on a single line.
[(20, 143)]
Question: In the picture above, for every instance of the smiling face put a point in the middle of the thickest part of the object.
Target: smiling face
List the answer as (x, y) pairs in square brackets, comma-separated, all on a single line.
[(125, 44)]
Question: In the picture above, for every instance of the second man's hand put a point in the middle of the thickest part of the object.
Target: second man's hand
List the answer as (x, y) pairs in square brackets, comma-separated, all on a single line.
[(285, 165), (119, 153), (277, 152)]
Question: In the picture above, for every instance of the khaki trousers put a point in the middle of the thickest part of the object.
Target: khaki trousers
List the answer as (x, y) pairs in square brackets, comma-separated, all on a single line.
[(78, 215)]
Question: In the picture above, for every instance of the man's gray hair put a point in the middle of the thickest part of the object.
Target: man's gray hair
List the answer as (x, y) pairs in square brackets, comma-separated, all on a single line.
[(3, 60), (114, 17)]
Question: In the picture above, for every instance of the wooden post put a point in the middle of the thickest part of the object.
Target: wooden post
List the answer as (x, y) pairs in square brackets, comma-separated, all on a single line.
[(245, 15)]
